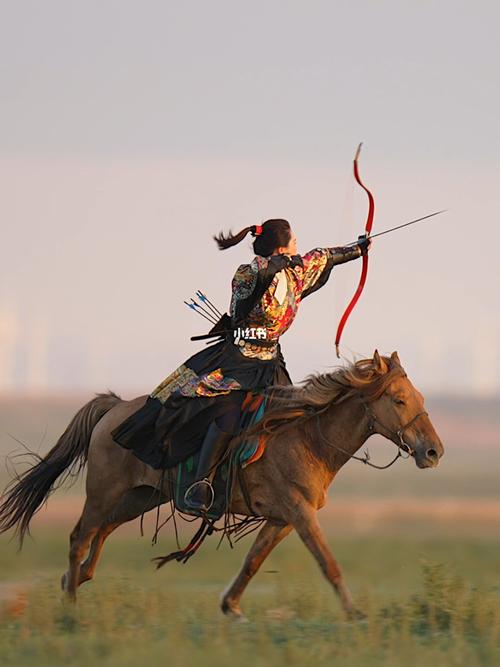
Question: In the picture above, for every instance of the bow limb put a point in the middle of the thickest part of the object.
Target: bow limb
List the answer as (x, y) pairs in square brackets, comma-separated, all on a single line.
[(371, 201), (364, 268)]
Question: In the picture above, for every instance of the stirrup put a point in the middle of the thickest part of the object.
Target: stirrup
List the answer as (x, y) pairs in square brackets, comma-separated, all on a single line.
[(206, 482)]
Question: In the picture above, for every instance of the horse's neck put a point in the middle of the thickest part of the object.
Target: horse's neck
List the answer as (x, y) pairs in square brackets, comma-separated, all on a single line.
[(343, 430)]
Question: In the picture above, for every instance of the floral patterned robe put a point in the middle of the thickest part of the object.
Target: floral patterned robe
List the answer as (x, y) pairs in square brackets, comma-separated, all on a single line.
[(274, 312)]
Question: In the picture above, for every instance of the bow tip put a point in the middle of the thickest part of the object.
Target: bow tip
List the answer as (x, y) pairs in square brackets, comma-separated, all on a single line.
[(358, 151)]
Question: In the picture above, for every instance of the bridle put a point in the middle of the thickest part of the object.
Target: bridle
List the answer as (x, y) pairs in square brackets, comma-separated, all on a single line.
[(393, 435)]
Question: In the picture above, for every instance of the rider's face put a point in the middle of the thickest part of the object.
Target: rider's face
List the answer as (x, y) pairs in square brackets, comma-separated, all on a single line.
[(291, 248)]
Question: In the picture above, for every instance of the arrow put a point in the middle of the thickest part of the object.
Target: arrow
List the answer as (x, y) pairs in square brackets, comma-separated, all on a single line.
[(406, 224)]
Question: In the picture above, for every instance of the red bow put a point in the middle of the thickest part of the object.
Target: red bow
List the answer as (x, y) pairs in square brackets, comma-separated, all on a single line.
[(364, 268)]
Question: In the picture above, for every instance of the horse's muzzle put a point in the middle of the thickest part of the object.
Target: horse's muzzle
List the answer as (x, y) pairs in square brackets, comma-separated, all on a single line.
[(428, 457)]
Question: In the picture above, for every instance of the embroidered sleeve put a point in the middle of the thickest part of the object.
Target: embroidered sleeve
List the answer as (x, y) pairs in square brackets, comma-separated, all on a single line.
[(315, 262), (318, 265)]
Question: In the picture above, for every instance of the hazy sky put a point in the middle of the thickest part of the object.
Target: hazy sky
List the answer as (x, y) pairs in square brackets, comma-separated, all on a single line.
[(130, 132)]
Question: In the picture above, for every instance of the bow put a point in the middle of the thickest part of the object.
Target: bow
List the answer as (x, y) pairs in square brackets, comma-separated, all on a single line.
[(364, 268)]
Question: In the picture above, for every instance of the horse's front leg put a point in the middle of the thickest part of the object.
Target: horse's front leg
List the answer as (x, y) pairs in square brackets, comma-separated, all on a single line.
[(307, 526), (269, 536)]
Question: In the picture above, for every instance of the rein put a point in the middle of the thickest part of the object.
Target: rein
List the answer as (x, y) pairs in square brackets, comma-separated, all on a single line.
[(402, 445)]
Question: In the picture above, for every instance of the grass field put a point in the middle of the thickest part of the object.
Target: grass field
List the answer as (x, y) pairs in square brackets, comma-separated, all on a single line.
[(426, 598), (419, 550)]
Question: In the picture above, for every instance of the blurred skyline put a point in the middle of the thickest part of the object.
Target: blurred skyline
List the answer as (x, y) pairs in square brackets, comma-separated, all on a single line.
[(130, 133)]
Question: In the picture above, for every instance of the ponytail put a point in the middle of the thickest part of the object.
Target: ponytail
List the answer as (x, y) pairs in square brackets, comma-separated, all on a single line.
[(270, 235), (225, 241)]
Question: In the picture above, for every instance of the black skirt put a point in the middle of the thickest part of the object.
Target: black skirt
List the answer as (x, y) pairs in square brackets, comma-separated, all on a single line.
[(162, 434)]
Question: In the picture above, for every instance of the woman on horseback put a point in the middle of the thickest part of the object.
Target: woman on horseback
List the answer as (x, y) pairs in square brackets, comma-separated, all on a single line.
[(246, 358)]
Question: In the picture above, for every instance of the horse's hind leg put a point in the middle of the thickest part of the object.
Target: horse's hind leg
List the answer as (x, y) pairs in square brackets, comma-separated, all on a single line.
[(88, 567), (80, 538), (99, 503), (132, 504), (269, 536)]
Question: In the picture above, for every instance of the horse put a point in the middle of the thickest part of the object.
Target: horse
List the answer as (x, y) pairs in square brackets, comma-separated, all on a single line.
[(312, 430)]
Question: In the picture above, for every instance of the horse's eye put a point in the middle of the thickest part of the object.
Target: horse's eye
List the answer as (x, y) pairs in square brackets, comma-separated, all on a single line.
[(399, 401)]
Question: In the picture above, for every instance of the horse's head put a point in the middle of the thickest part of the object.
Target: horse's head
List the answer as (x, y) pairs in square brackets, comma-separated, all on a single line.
[(399, 414)]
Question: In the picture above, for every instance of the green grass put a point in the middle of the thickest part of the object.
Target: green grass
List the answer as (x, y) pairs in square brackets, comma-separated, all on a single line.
[(426, 599)]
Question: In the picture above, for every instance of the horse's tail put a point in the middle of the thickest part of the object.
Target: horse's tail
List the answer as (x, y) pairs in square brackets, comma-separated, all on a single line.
[(27, 491)]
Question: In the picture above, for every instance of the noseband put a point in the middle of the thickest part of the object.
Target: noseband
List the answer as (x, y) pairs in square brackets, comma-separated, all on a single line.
[(393, 435), (402, 445)]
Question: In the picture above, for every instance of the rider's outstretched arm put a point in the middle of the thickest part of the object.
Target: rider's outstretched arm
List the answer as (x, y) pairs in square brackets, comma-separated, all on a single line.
[(318, 264)]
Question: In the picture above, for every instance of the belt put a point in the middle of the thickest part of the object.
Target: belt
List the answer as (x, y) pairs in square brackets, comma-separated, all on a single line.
[(254, 343)]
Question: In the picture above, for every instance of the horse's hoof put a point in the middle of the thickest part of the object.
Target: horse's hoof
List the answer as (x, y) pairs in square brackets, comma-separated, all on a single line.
[(241, 619), (70, 595), (357, 615), (237, 616), (233, 611)]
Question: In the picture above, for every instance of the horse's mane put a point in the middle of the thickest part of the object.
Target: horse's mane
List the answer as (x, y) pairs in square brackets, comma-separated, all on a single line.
[(318, 392)]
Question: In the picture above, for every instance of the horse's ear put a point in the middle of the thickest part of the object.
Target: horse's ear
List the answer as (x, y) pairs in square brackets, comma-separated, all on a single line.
[(395, 358), (379, 364)]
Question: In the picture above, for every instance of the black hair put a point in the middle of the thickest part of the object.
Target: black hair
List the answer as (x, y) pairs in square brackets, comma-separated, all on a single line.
[(276, 233)]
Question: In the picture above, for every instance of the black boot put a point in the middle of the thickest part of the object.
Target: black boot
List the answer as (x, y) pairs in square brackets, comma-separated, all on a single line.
[(200, 495)]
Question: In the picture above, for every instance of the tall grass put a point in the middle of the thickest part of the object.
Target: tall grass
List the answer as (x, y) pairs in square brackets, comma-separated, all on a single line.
[(434, 601)]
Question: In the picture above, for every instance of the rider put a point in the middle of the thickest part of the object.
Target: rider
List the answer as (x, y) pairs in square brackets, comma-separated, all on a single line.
[(265, 298)]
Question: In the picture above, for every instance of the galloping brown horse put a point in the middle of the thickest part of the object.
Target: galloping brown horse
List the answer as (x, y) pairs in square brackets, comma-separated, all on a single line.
[(313, 430)]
